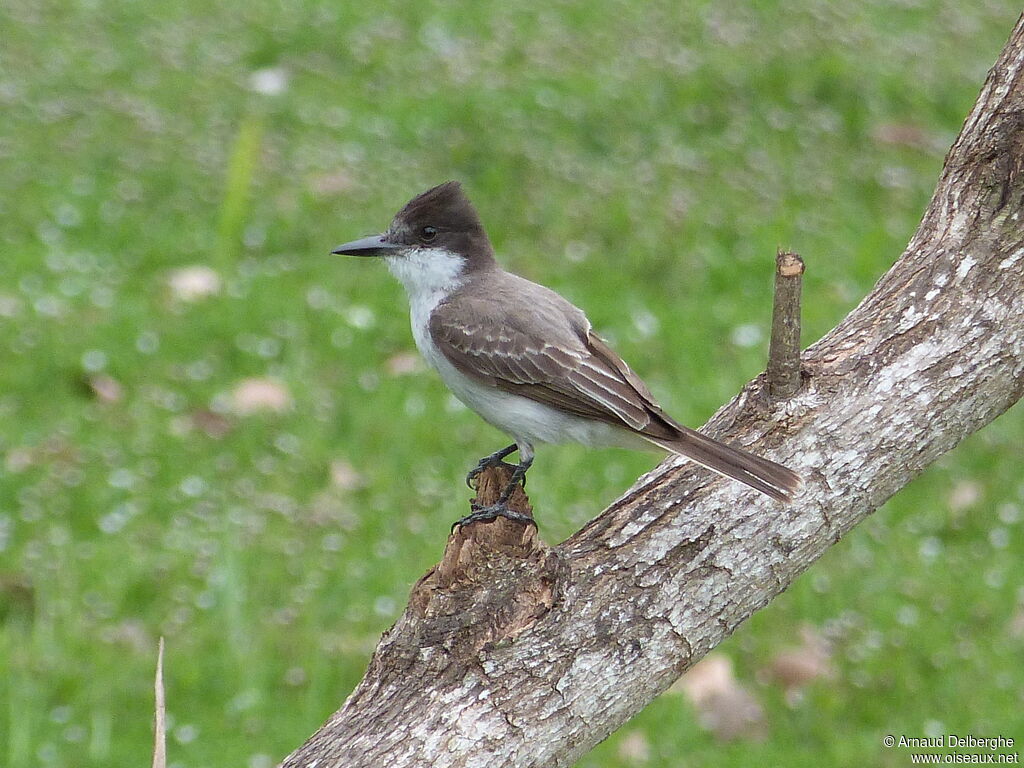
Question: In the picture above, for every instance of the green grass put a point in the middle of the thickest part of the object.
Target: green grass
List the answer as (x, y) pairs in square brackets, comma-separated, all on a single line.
[(645, 159)]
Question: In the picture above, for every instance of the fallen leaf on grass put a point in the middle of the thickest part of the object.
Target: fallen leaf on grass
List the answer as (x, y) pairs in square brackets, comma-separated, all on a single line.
[(634, 748), (345, 476), (106, 388), (211, 423), (965, 495), (404, 363), (724, 705), (797, 667), (257, 395)]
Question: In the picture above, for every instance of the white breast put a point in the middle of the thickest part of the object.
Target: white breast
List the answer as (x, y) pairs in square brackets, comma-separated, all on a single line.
[(429, 275)]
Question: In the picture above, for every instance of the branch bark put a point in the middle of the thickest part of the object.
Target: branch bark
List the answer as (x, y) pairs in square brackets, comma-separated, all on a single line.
[(784, 347), (514, 654)]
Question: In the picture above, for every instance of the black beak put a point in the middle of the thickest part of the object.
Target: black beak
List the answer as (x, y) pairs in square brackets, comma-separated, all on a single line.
[(375, 245)]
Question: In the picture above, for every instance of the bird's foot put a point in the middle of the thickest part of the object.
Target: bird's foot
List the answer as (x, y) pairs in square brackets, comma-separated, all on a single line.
[(494, 460), (491, 512), (474, 474)]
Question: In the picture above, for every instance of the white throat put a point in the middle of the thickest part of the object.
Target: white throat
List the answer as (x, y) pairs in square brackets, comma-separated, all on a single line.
[(429, 276), (427, 271)]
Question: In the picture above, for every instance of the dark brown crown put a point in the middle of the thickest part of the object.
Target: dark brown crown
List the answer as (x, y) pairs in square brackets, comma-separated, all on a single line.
[(447, 209)]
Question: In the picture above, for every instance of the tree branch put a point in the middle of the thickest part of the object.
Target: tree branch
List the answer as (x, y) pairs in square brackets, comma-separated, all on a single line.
[(520, 655), (784, 347)]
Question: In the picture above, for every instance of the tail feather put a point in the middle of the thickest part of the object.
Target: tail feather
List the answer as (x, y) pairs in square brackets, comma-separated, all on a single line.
[(763, 475)]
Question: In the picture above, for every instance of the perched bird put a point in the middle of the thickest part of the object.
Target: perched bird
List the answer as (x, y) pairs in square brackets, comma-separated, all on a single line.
[(526, 359)]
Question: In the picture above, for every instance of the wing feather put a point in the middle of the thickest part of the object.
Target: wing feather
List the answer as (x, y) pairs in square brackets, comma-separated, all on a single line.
[(549, 355)]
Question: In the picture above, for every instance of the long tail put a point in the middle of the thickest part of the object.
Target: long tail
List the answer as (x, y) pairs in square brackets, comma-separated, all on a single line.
[(761, 474)]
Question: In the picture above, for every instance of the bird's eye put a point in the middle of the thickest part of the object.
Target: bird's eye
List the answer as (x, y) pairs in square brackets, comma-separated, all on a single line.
[(428, 233)]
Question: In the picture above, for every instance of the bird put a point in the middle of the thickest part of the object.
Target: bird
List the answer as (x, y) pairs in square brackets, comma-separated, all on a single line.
[(525, 358)]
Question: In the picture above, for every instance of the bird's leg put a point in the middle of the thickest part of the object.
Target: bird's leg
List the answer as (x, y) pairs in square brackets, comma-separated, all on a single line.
[(493, 460), (500, 507), (518, 478)]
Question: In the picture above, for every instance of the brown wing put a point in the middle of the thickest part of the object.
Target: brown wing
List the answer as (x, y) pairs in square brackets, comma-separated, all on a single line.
[(547, 354)]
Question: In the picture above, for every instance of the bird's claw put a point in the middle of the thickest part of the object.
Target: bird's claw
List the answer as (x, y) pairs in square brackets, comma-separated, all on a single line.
[(491, 512), (487, 462)]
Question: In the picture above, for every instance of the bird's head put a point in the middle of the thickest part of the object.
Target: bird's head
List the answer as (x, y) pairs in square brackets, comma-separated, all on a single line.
[(437, 232)]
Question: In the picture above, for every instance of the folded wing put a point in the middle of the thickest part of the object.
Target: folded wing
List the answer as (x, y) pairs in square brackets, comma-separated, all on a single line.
[(548, 354)]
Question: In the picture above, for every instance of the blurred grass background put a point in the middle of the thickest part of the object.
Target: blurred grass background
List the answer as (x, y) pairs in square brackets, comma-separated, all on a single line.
[(193, 392)]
